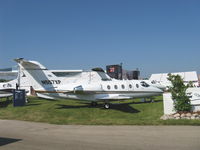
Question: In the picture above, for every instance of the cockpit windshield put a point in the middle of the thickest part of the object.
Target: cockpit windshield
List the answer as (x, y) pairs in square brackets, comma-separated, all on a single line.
[(102, 74), (144, 84)]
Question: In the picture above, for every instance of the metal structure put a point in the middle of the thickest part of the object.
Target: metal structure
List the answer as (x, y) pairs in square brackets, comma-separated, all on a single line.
[(19, 97), (117, 72)]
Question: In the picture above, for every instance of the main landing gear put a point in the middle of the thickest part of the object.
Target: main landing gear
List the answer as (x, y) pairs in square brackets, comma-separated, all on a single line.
[(106, 105)]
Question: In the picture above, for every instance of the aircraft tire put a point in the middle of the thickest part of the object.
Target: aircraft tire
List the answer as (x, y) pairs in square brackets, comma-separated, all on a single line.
[(106, 105)]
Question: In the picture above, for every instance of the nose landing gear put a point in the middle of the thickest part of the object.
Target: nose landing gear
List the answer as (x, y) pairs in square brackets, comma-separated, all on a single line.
[(106, 105)]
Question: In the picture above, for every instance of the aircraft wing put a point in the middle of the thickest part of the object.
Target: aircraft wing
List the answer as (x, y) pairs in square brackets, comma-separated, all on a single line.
[(114, 97), (6, 93), (103, 97)]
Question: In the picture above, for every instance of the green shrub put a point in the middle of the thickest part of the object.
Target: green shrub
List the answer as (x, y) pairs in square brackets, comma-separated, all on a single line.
[(178, 91)]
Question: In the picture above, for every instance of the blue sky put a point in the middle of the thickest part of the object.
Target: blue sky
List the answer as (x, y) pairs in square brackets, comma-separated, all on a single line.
[(154, 36)]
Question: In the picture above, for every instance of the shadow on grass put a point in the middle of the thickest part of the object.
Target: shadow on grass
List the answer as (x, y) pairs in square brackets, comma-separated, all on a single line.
[(120, 107), (125, 107), (32, 104), (5, 103), (156, 101), (51, 100), (5, 141)]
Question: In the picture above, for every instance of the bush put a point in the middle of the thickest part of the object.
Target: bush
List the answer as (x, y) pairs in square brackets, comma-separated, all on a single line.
[(178, 91)]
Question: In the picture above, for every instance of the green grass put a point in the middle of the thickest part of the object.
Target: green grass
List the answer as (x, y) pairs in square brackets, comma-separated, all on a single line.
[(130, 112)]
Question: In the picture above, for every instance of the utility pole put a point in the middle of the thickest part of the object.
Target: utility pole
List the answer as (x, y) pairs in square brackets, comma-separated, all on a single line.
[(121, 71)]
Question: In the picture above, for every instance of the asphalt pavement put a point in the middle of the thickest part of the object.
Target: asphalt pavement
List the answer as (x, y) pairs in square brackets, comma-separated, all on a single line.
[(22, 135)]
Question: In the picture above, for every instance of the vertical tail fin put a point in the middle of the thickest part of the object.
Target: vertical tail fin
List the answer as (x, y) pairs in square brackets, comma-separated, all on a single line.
[(38, 75)]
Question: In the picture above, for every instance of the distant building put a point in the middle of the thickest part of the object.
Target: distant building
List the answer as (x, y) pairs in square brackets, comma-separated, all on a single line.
[(117, 72), (114, 71), (130, 75), (186, 76)]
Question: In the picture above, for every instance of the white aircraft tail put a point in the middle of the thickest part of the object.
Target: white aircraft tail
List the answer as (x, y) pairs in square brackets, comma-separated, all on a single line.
[(38, 75)]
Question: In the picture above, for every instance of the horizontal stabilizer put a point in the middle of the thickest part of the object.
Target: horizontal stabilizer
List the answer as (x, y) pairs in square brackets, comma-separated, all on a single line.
[(30, 65), (44, 96)]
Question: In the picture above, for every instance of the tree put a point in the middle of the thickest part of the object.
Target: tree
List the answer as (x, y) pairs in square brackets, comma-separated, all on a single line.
[(190, 84), (178, 91), (3, 80)]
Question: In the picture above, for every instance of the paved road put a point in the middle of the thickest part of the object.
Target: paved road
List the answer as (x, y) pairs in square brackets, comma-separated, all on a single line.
[(20, 135)]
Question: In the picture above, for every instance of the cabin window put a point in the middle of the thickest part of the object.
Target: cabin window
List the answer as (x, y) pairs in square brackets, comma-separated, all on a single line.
[(123, 87), (137, 85), (130, 86), (108, 87), (116, 87), (144, 84)]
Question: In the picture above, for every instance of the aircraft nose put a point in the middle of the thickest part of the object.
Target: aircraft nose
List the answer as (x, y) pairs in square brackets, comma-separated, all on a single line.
[(162, 87), (158, 90)]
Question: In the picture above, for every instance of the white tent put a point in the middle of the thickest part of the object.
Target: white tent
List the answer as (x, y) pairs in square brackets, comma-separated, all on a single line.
[(186, 76)]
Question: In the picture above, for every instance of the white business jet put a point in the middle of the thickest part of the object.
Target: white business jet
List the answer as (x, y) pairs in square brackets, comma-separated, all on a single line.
[(105, 89), (6, 88)]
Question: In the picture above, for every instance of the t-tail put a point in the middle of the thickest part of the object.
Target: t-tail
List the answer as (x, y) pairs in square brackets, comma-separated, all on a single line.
[(38, 75)]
